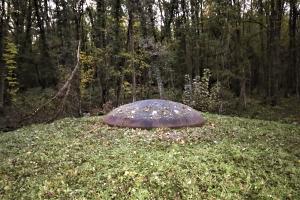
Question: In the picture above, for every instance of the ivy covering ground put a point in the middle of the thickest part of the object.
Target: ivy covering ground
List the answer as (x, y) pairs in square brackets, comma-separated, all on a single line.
[(228, 158)]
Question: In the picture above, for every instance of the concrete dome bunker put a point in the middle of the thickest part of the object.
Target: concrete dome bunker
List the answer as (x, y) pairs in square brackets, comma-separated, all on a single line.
[(154, 113)]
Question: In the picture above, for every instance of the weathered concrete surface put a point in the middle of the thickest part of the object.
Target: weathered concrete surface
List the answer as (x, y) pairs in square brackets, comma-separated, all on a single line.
[(154, 113)]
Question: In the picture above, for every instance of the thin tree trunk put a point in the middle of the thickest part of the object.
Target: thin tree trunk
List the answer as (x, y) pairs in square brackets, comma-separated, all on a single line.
[(44, 44), (168, 19), (292, 67), (116, 10), (262, 65), (75, 88), (159, 81), (197, 57), (100, 25), (298, 83), (130, 44), (239, 34), (28, 32), (2, 64), (46, 15), (162, 18), (152, 20), (243, 95), (142, 15), (99, 37), (40, 22), (275, 62)]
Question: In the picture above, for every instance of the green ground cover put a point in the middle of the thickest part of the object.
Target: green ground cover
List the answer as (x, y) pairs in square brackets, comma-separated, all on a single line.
[(228, 158)]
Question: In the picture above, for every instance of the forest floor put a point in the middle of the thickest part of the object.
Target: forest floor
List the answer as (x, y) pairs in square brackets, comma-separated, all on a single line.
[(228, 158), (286, 111)]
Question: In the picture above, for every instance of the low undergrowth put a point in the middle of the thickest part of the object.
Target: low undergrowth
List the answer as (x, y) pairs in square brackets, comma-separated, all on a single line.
[(228, 158)]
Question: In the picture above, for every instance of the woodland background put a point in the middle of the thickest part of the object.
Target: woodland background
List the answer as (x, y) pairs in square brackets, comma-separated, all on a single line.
[(71, 58)]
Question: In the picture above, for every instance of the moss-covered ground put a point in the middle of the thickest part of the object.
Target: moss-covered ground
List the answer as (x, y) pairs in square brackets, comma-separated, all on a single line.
[(228, 158)]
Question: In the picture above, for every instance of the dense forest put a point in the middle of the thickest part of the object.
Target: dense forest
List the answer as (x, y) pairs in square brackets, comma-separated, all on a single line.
[(95, 54)]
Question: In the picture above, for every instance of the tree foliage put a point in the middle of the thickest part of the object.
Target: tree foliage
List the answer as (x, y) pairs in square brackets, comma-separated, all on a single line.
[(143, 49), (9, 57)]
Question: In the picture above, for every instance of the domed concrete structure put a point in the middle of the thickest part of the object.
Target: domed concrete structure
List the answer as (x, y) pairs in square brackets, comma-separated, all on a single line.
[(154, 113)]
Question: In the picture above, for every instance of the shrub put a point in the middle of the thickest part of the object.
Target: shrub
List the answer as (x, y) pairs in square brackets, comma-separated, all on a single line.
[(199, 95)]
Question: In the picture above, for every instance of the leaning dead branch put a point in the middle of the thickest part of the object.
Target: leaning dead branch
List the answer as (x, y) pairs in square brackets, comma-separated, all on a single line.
[(61, 96)]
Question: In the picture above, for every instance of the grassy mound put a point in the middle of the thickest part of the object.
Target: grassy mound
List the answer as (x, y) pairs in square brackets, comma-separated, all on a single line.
[(228, 158)]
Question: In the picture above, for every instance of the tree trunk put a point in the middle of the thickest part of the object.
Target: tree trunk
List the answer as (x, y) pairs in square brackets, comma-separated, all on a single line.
[(46, 15), (162, 18), (40, 22), (240, 59), (45, 56), (100, 25), (130, 44), (152, 20), (262, 68), (143, 17), (169, 10), (28, 32), (75, 88), (292, 66), (159, 81), (116, 14), (275, 59), (2, 63), (197, 57)]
